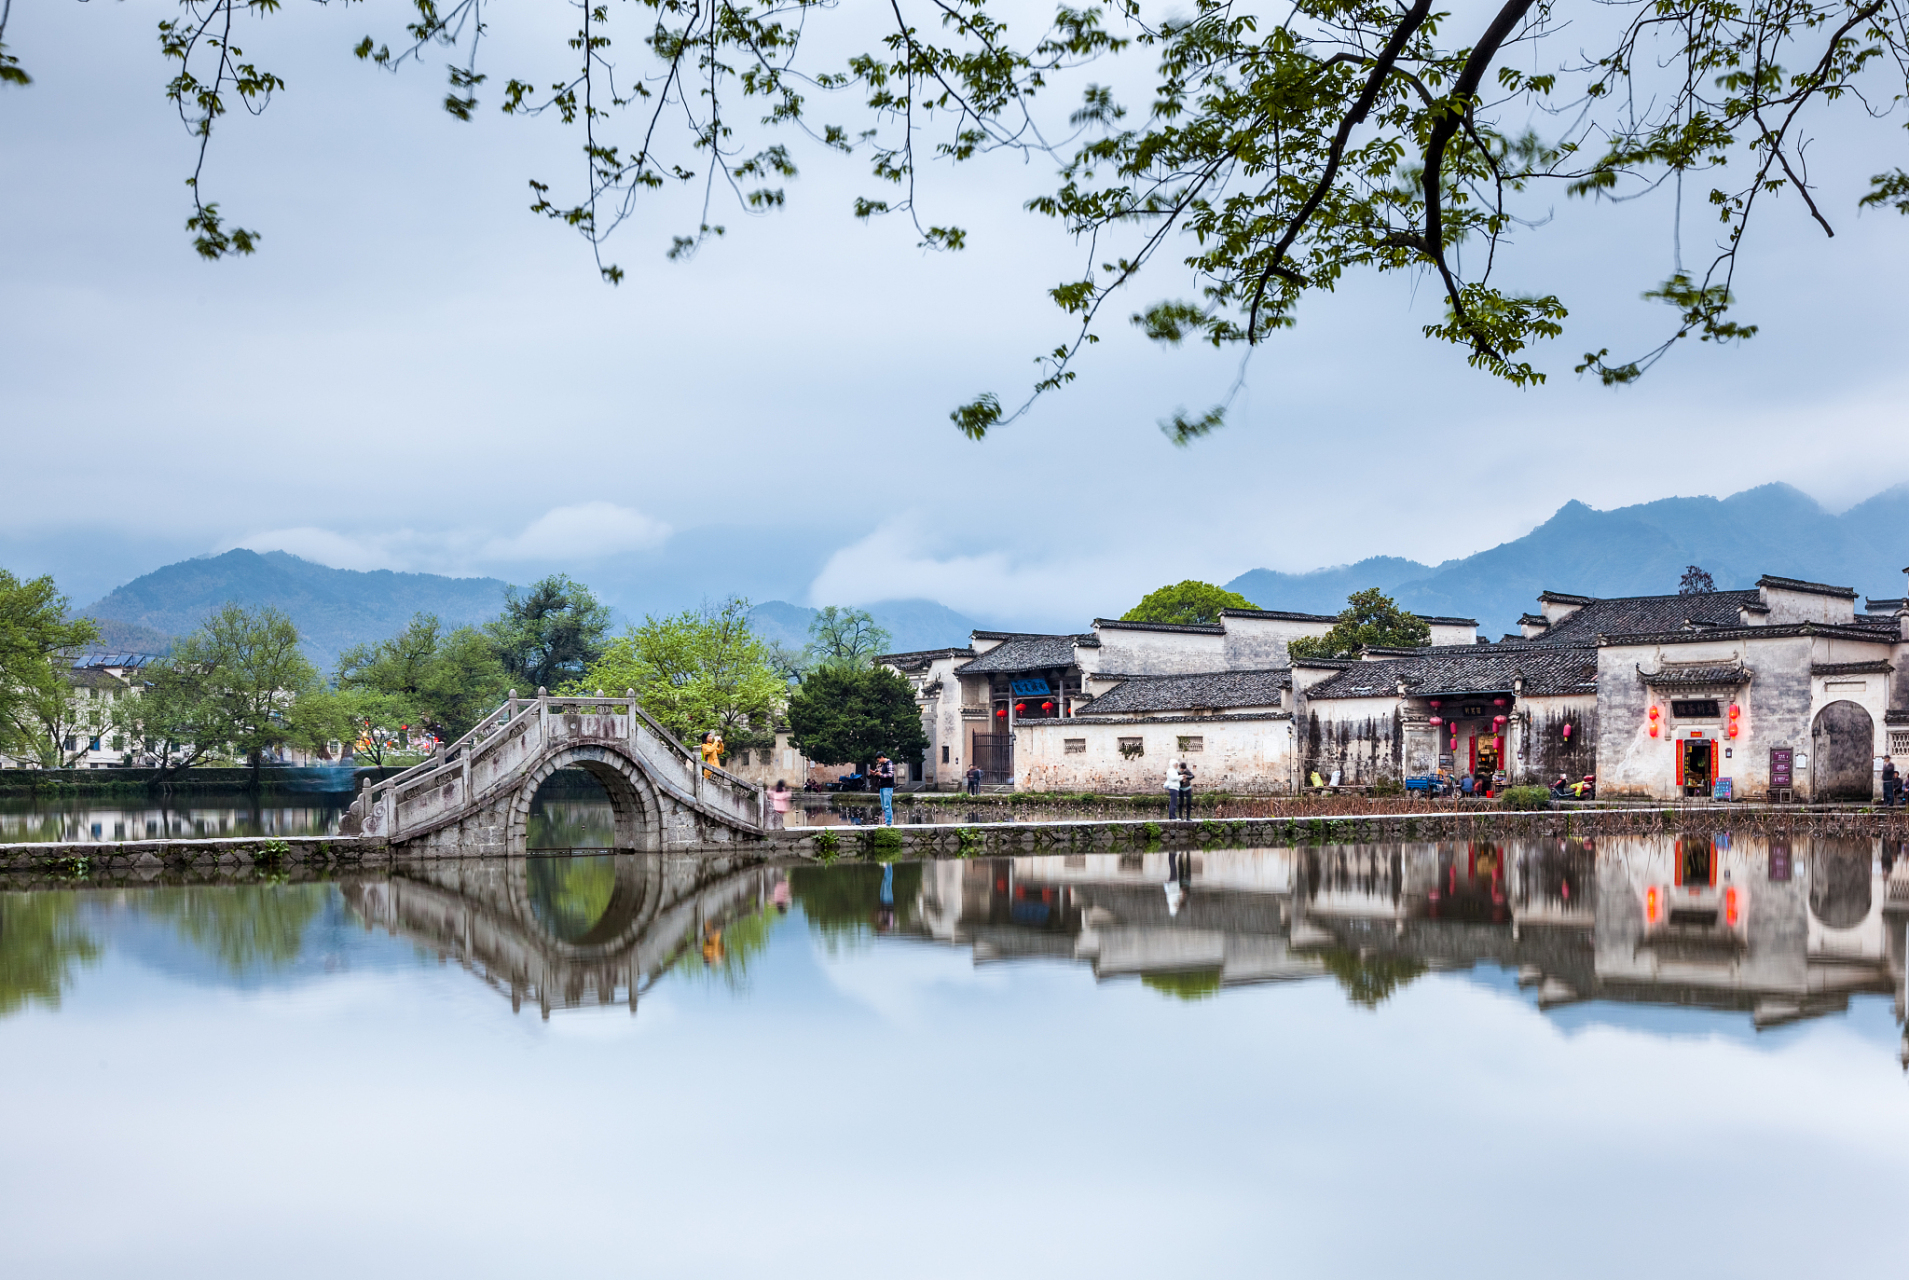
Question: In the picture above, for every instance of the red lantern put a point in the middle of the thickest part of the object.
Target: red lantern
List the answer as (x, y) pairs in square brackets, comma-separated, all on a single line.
[(1567, 731), (1020, 708), (1497, 702), (1002, 713), (1498, 720), (1435, 704), (1047, 706), (1434, 721)]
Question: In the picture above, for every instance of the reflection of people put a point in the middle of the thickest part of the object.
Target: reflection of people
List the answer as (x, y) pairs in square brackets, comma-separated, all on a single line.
[(779, 803), (885, 779), (1179, 881), (712, 945), (780, 896), (885, 914)]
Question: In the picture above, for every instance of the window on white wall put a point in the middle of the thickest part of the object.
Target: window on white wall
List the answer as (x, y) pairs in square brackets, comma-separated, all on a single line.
[(1075, 746), (1192, 743)]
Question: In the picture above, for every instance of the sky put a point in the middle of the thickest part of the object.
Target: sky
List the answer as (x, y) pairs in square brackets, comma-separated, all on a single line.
[(414, 372)]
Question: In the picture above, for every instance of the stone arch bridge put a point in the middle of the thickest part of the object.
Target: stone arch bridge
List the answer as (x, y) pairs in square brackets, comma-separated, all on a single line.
[(474, 795)]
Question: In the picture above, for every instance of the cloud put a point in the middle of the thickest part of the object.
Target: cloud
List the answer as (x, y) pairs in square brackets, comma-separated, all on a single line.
[(1063, 589), (587, 531), (562, 536)]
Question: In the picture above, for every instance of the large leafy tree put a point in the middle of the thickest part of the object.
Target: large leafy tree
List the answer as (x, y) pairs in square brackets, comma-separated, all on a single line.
[(1274, 150), (240, 682), (844, 635), (37, 645), (849, 715), (1187, 603), (426, 675), (549, 633), (1370, 619), (696, 671)]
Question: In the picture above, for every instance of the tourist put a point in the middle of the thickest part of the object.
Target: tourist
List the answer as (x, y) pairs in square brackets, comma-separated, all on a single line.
[(779, 803), (1173, 790), (885, 780), (1890, 782), (712, 751), (1186, 790), (974, 779)]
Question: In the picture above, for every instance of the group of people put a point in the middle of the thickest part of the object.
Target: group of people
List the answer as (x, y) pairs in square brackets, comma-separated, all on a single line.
[(1179, 784), (1891, 784)]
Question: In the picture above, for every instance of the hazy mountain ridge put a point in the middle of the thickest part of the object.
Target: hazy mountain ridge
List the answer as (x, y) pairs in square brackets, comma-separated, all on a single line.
[(914, 624), (334, 608), (1635, 550)]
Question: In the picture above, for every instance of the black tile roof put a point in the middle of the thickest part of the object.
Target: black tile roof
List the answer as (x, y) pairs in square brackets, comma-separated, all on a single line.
[(1190, 692), (1023, 653), (1878, 667), (917, 659), (1194, 628), (1691, 675), (1278, 615), (1461, 669), (1812, 588), (1446, 622), (1625, 615)]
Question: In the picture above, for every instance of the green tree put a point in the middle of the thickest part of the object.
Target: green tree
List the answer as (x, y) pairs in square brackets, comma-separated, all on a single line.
[(849, 715), (37, 646), (844, 635), (445, 681), (695, 671), (1274, 154), (1370, 619), (234, 684), (1187, 603), (549, 633)]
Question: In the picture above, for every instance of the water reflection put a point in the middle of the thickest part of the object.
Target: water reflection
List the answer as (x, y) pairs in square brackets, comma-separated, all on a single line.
[(28, 819)]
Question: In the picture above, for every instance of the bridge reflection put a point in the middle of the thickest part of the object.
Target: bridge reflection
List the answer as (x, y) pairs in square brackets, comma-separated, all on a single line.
[(1777, 930), (564, 932)]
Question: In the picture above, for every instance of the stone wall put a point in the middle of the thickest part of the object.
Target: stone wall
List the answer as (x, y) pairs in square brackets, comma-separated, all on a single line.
[(1247, 753), (1363, 738)]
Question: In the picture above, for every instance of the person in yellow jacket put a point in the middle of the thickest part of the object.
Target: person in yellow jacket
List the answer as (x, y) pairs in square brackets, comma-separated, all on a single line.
[(712, 749)]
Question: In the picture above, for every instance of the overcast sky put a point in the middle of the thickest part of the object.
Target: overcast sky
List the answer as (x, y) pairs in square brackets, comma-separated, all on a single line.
[(416, 373)]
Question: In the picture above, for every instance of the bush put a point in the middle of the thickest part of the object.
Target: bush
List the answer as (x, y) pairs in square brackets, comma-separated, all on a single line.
[(1525, 798)]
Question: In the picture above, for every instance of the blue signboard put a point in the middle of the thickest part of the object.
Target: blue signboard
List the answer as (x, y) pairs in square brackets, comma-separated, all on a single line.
[(1721, 789), (1029, 688)]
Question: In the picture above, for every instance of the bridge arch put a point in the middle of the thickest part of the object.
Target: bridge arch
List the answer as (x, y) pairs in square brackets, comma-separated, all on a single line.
[(634, 802)]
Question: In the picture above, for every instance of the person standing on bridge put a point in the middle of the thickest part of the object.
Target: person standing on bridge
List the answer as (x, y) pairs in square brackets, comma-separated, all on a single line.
[(712, 749), (885, 779)]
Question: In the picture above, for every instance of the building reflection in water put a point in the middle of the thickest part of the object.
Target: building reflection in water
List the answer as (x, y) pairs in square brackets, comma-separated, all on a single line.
[(1774, 929)]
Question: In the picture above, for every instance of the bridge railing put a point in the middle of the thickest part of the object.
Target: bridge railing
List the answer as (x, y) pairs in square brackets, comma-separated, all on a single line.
[(491, 755)]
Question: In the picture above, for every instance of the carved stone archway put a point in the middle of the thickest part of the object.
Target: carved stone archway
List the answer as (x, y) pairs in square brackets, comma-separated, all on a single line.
[(1842, 753), (634, 802)]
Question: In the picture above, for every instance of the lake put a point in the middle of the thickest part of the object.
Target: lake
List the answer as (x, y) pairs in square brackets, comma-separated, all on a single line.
[(1539, 1057)]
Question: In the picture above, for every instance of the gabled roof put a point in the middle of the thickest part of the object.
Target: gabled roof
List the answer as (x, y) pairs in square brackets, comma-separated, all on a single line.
[(1462, 669), (1278, 615), (1809, 588), (1624, 615), (1023, 653), (1197, 691), (917, 659), (1189, 628)]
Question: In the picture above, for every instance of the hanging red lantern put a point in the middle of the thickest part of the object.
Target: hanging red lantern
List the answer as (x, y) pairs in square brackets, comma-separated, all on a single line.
[(1567, 731), (1497, 702), (1499, 720), (1047, 706), (1002, 713), (1020, 708), (1436, 704), (1434, 721)]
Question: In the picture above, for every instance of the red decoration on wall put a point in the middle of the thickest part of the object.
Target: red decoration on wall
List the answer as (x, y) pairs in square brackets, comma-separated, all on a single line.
[(1434, 721), (1002, 713), (1020, 708), (1047, 706), (1567, 731)]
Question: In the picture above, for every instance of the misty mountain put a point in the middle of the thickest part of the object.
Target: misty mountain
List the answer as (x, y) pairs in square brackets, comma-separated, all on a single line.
[(333, 608), (914, 624), (1636, 550)]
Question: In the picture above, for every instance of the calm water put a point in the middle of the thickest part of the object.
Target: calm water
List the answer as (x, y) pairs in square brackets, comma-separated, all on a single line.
[(1533, 1058)]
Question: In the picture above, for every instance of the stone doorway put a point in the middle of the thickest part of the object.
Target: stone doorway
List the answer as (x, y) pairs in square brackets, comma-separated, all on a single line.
[(1842, 751)]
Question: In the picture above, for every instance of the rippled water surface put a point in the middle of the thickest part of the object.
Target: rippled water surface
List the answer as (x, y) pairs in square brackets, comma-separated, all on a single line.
[(1512, 1059)]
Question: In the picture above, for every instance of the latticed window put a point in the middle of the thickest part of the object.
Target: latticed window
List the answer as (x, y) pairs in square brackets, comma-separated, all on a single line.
[(1899, 742), (1192, 744), (1075, 746)]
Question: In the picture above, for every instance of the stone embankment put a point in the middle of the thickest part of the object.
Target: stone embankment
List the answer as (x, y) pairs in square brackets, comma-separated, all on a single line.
[(309, 857)]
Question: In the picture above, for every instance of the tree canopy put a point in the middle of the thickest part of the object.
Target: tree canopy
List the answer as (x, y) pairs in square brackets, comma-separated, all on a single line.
[(1370, 619), (849, 715), (443, 680), (844, 635), (1695, 582), (37, 646), (697, 671), (1188, 603), (549, 633), (1275, 153)]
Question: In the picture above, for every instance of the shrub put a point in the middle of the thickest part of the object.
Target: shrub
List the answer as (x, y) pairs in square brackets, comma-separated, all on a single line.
[(1525, 798)]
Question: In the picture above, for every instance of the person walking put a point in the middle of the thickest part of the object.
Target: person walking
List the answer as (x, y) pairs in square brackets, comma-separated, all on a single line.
[(885, 780), (1173, 790), (974, 779), (779, 803)]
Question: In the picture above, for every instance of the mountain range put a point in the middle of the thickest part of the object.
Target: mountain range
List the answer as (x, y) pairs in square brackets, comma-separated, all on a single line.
[(911, 624), (334, 608), (1635, 550)]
